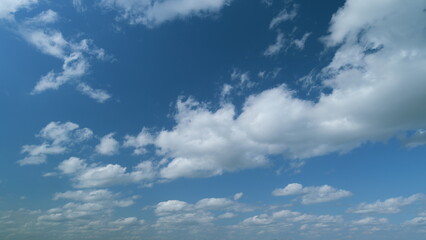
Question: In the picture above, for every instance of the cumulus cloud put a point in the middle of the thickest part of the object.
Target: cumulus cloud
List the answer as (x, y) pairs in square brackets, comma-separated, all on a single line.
[(90, 176), (9, 7), (57, 137), (378, 57), (312, 195), (108, 145), (153, 12), (204, 211), (390, 205), (139, 142)]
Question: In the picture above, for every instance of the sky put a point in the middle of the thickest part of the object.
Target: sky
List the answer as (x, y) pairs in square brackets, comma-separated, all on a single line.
[(213, 119)]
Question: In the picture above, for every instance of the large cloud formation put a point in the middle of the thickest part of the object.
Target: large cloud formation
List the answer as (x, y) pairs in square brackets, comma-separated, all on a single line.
[(377, 78)]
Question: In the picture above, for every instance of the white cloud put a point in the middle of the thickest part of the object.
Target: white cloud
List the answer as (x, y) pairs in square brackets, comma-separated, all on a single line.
[(43, 149), (85, 196), (238, 196), (371, 221), (275, 48), (9, 7), (153, 12), (312, 195), (139, 142), (57, 138), (108, 145), (97, 94), (68, 132), (45, 17), (386, 58), (49, 42), (72, 165), (213, 203), (391, 205), (169, 206), (32, 160), (74, 67), (300, 43), (416, 221), (90, 176), (221, 146), (283, 16)]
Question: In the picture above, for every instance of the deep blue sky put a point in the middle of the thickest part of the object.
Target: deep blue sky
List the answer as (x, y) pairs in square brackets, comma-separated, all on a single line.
[(178, 119)]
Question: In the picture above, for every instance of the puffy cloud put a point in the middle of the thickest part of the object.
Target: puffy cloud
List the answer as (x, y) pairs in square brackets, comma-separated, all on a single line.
[(312, 195), (179, 213), (72, 165), (153, 12), (290, 189), (68, 132), (85, 176), (49, 42), (57, 138), (169, 206), (85, 196), (221, 146), (391, 205), (9, 7), (139, 142), (108, 145), (283, 16), (213, 203), (205, 207), (88, 204), (378, 58)]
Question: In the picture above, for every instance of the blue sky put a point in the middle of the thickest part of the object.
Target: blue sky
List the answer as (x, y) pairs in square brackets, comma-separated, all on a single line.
[(212, 119)]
